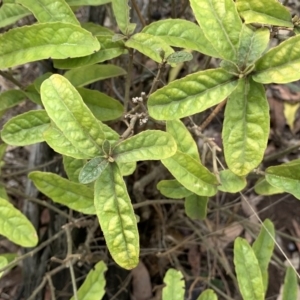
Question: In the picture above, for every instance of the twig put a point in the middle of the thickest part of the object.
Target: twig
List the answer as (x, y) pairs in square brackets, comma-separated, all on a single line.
[(281, 153), (130, 128), (161, 67), (138, 13), (11, 79), (31, 253), (158, 201), (38, 201), (128, 80), (212, 115)]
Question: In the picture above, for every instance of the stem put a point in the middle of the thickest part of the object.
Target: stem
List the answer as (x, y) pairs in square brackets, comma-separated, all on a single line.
[(11, 79), (212, 115), (156, 79), (128, 80), (138, 13)]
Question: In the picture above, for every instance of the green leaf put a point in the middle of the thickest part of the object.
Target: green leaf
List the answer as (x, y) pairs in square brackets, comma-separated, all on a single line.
[(183, 138), (285, 177), (191, 94), (74, 195), (221, 25), (88, 74), (290, 288), (11, 98), (3, 263), (147, 145), (92, 169), (191, 174), (152, 46), (181, 33), (121, 13), (265, 12), (72, 167), (263, 248), (41, 41), (87, 2), (38, 81), (246, 127), (252, 45), (103, 107), (175, 285), (10, 13), (179, 57), (67, 110), (15, 226), (173, 189), (196, 206), (109, 50), (59, 143), (26, 129), (97, 29), (262, 187), (127, 169), (280, 64), (230, 182), (93, 287), (50, 11), (208, 295), (110, 135), (116, 217), (247, 271)]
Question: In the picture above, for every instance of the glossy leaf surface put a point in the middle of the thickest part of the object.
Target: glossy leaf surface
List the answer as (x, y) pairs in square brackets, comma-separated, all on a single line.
[(175, 285), (11, 13), (191, 94), (173, 189), (196, 206), (116, 217), (88, 74), (41, 41), (248, 271), (26, 128), (67, 110), (152, 46), (290, 288), (109, 50), (265, 12), (191, 174), (285, 177), (93, 287), (221, 25), (181, 33), (73, 166), (246, 127), (103, 107), (280, 64), (208, 295), (122, 14), (71, 194), (93, 169), (230, 182), (15, 226), (263, 248), (50, 11), (183, 138), (52, 135), (147, 145)]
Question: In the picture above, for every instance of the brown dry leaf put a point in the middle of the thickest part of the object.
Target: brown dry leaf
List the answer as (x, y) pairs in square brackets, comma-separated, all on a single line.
[(194, 258), (277, 116), (284, 92), (230, 233), (141, 283)]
